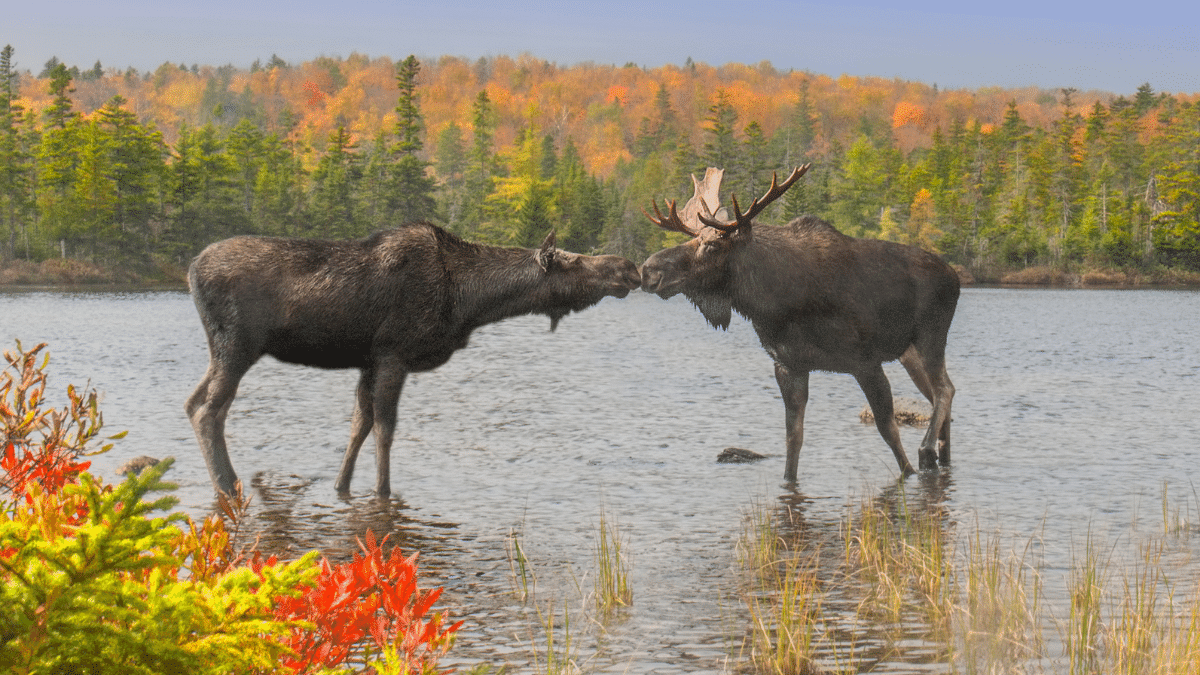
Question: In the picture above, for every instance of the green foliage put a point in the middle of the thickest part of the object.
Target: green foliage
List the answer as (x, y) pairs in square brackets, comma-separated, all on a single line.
[(99, 596), (96, 581)]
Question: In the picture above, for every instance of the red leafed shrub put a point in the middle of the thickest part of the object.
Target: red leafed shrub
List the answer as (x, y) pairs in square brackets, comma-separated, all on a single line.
[(56, 458), (367, 614), (370, 606)]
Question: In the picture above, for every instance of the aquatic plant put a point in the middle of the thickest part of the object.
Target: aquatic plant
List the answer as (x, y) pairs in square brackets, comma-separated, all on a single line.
[(612, 568)]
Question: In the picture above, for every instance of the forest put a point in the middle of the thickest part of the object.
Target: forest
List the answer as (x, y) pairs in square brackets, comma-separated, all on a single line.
[(135, 172)]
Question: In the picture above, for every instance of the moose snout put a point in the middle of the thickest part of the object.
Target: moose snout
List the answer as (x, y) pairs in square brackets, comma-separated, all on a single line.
[(624, 275), (650, 278)]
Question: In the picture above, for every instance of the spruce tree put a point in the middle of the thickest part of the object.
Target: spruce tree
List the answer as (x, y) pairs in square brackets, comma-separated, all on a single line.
[(412, 188)]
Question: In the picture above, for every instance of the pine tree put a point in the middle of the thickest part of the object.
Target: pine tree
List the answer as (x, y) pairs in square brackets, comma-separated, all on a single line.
[(16, 166), (721, 148), (412, 191), (479, 180), (333, 185)]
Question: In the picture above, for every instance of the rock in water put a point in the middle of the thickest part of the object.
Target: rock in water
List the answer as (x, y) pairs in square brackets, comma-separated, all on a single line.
[(738, 456), (907, 411), (136, 465)]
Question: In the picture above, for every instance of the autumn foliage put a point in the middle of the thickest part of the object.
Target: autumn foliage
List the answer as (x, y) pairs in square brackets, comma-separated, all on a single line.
[(94, 581)]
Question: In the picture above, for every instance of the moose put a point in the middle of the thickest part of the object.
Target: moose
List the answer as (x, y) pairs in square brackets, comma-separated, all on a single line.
[(818, 300), (399, 301)]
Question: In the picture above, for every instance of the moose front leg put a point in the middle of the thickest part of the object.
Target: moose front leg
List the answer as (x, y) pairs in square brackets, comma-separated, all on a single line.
[(794, 388), (376, 399), (207, 409)]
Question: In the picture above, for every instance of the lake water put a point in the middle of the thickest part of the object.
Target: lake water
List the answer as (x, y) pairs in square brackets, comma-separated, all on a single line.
[(1075, 409)]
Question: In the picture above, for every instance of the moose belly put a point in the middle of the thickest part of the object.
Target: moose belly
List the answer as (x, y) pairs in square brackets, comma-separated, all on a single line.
[(832, 346)]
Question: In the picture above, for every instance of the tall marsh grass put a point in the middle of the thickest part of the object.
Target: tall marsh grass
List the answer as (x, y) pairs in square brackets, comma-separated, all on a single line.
[(613, 589), (923, 588)]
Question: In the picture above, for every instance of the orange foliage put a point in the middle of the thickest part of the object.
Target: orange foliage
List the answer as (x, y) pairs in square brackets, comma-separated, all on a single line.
[(574, 102), (908, 113)]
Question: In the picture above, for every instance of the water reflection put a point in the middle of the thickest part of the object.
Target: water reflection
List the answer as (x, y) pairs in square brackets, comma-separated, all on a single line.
[(289, 517)]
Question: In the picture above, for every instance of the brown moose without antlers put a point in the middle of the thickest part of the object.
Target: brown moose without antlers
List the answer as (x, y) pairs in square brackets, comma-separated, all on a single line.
[(818, 300), (400, 301)]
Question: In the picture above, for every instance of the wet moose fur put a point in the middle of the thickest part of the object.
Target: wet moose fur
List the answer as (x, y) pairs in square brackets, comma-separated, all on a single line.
[(819, 300), (400, 301)]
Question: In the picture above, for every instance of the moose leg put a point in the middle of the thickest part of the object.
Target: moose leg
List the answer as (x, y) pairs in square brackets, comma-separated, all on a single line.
[(389, 381), (929, 374), (918, 371), (875, 385), (794, 387), (207, 408), (940, 421), (360, 426)]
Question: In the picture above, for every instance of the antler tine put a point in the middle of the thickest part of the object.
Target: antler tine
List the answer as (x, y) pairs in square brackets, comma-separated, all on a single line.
[(772, 194), (670, 222)]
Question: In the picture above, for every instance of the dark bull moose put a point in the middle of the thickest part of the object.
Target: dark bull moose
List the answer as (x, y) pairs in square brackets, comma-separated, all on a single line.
[(400, 301), (819, 300)]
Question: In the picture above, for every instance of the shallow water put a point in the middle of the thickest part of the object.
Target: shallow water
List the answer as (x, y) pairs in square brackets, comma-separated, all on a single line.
[(1074, 410)]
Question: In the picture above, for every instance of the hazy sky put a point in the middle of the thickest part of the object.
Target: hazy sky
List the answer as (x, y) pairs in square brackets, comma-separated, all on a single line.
[(1007, 43)]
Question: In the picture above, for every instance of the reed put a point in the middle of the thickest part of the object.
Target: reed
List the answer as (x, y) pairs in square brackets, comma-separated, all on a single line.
[(559, 657), (781, 599), (997, 618), (760, 543), (518, 564), (613, 589), (785, 622), (1086, 587)]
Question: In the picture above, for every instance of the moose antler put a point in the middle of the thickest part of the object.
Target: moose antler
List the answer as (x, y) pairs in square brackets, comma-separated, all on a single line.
[(742, 220), (672, 221), (704, 202)]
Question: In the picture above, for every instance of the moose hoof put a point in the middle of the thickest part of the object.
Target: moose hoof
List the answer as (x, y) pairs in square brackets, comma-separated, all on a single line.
[(929, 460)]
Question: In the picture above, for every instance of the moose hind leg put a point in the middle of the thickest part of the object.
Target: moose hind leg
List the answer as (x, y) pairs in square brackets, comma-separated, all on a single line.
[(794, 388), (360, 426), (940, 421), (874, 384), (919, 372)]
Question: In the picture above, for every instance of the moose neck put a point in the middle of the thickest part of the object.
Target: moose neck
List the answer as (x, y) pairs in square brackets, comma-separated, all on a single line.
[(493, 283)]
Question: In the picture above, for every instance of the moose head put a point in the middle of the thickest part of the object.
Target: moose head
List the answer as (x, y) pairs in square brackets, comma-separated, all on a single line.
[(700, 265)]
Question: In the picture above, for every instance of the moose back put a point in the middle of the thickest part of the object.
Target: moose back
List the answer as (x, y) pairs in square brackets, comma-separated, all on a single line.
[(400, 301)]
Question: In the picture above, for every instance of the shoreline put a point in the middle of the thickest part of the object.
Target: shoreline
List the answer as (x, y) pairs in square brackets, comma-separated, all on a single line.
[(67, 274)]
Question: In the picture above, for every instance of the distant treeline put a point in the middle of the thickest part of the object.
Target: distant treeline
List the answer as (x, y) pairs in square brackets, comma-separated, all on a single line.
[(145, 169)]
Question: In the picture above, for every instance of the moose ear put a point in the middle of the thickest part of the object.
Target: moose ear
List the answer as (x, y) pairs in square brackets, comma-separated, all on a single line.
[(545, 255)]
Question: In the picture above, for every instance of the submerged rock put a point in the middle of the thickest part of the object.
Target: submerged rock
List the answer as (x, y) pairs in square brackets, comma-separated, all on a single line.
[(907, 411), (136, 465), (738, 456)]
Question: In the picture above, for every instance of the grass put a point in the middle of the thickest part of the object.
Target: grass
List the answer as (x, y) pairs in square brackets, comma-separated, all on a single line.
[(522, 573), (971, 598), (897, 582), (612, 569)]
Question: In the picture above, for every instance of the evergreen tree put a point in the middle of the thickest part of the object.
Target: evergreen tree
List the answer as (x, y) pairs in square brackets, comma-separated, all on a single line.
[(451, 165), (756, 167), (412, 193), (721, 148), (58, 157), (134, 156), (481, 170), (16, 168), (334, 213)]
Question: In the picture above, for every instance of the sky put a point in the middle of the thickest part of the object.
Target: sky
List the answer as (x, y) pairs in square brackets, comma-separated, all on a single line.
[(1098, 45)]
